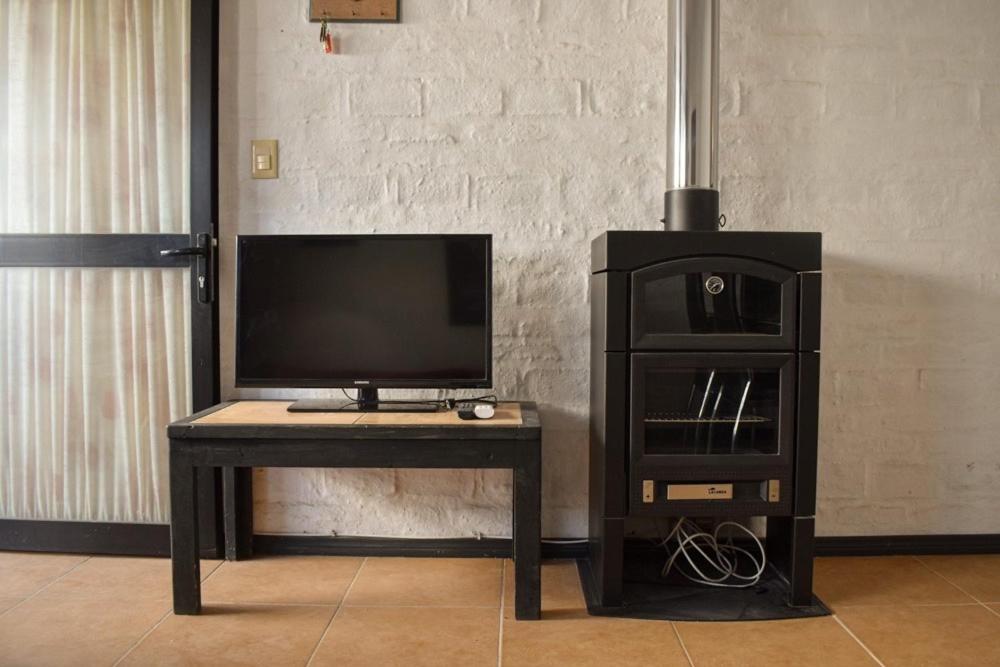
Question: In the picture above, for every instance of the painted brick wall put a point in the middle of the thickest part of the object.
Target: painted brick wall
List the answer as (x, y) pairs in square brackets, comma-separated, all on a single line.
[(876, 122)]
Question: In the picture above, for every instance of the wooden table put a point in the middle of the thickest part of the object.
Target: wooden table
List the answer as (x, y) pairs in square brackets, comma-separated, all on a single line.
[(247, 434)]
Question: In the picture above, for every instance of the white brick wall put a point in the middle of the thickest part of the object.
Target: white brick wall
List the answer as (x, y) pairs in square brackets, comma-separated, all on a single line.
[(876, 122)]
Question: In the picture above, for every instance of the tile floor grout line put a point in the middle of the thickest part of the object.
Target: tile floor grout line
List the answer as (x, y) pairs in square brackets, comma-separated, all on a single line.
[(39, 591), (138, 641), (503, 586), (911, 604), (336, 612), (981, 603), (946, 579), (417, 606), (212, 573), (867, 650), (677, 633), (158, 623), (265, 603), (240, 603), (335, 605)]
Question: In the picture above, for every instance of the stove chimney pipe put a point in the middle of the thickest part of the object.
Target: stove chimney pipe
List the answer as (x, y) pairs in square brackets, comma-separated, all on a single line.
[(691, 202)]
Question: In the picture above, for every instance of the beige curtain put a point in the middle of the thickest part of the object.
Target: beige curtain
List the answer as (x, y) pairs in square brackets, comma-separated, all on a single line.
[(93, 362)]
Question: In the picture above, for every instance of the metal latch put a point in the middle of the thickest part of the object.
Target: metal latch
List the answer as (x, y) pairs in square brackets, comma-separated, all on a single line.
[(204, 250)]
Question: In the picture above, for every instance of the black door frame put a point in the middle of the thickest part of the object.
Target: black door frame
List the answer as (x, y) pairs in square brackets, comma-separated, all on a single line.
[(144, 250)]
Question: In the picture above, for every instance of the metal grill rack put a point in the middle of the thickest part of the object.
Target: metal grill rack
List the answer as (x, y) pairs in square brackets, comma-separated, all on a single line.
[(682, 418)]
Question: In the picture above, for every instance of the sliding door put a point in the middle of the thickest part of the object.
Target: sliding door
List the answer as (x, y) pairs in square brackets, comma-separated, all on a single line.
[(108, 322)]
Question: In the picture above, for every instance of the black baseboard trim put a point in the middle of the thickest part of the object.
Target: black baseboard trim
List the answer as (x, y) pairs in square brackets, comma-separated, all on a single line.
[(572, 548), (85, 537), (337, 545), (90, 537), (910, 545), (462, 547), (129, 539)]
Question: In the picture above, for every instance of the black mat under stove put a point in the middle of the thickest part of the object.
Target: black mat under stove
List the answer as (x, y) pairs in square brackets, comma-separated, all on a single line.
[(648, 596)]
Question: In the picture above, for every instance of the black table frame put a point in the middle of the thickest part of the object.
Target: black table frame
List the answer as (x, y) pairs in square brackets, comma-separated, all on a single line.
[(195, 447)]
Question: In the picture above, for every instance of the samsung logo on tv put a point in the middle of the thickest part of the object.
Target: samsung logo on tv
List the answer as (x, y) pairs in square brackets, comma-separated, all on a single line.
[(362, 382)]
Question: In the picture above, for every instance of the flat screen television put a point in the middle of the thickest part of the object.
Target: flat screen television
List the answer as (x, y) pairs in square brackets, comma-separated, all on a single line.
[(364, 312)]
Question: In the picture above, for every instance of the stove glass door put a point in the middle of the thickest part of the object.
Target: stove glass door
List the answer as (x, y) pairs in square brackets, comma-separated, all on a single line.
[(713, 303), (700, 407)]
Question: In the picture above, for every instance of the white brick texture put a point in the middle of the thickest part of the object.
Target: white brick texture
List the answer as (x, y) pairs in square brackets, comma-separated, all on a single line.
[(876, 122)]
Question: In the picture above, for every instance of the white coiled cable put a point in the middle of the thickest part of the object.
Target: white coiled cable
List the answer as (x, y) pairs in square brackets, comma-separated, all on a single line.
[(723, 558)]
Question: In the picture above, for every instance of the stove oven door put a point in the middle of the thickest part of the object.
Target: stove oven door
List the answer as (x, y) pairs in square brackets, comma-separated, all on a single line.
[(711, 433), (713, 303)]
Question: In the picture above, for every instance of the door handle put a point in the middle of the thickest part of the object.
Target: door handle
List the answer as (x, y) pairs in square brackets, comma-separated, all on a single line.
[(204, 251)]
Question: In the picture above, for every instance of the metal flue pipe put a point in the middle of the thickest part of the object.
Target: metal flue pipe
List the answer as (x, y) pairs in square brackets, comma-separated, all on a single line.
[(692, 197)]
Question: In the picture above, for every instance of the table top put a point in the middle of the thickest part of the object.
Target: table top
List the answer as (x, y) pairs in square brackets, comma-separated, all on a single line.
[(270, 419)]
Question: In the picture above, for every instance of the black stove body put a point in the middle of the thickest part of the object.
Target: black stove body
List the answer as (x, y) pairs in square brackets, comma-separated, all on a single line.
[(704, 389)]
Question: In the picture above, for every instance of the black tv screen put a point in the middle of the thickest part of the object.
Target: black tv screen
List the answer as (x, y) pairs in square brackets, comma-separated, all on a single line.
[(376, 311)]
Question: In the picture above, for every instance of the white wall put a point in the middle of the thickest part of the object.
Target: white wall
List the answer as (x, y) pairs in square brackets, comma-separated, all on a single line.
[(542, 121)]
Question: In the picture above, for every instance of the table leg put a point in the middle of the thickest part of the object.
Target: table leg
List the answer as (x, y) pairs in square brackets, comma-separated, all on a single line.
[(528, 533), (184, 533), (237, 494)]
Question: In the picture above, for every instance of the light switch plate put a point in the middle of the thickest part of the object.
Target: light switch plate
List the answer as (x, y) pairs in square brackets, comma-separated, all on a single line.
[(264, 158)]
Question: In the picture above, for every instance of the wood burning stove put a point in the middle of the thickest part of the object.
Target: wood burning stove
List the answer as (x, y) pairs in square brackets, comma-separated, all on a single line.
[(704, 389), (704, 352)]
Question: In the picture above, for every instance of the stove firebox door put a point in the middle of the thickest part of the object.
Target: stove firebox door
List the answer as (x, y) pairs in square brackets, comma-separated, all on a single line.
[(711, 411), (713, 303)]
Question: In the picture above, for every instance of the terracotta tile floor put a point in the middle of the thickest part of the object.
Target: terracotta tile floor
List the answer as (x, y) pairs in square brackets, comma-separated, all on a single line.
[(70, 610)]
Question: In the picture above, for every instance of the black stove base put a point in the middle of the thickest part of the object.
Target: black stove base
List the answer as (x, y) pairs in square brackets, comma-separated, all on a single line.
[(646, 596)]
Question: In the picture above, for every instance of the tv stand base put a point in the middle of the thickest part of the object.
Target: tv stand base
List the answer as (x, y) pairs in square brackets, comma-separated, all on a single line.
[(343, 405)]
